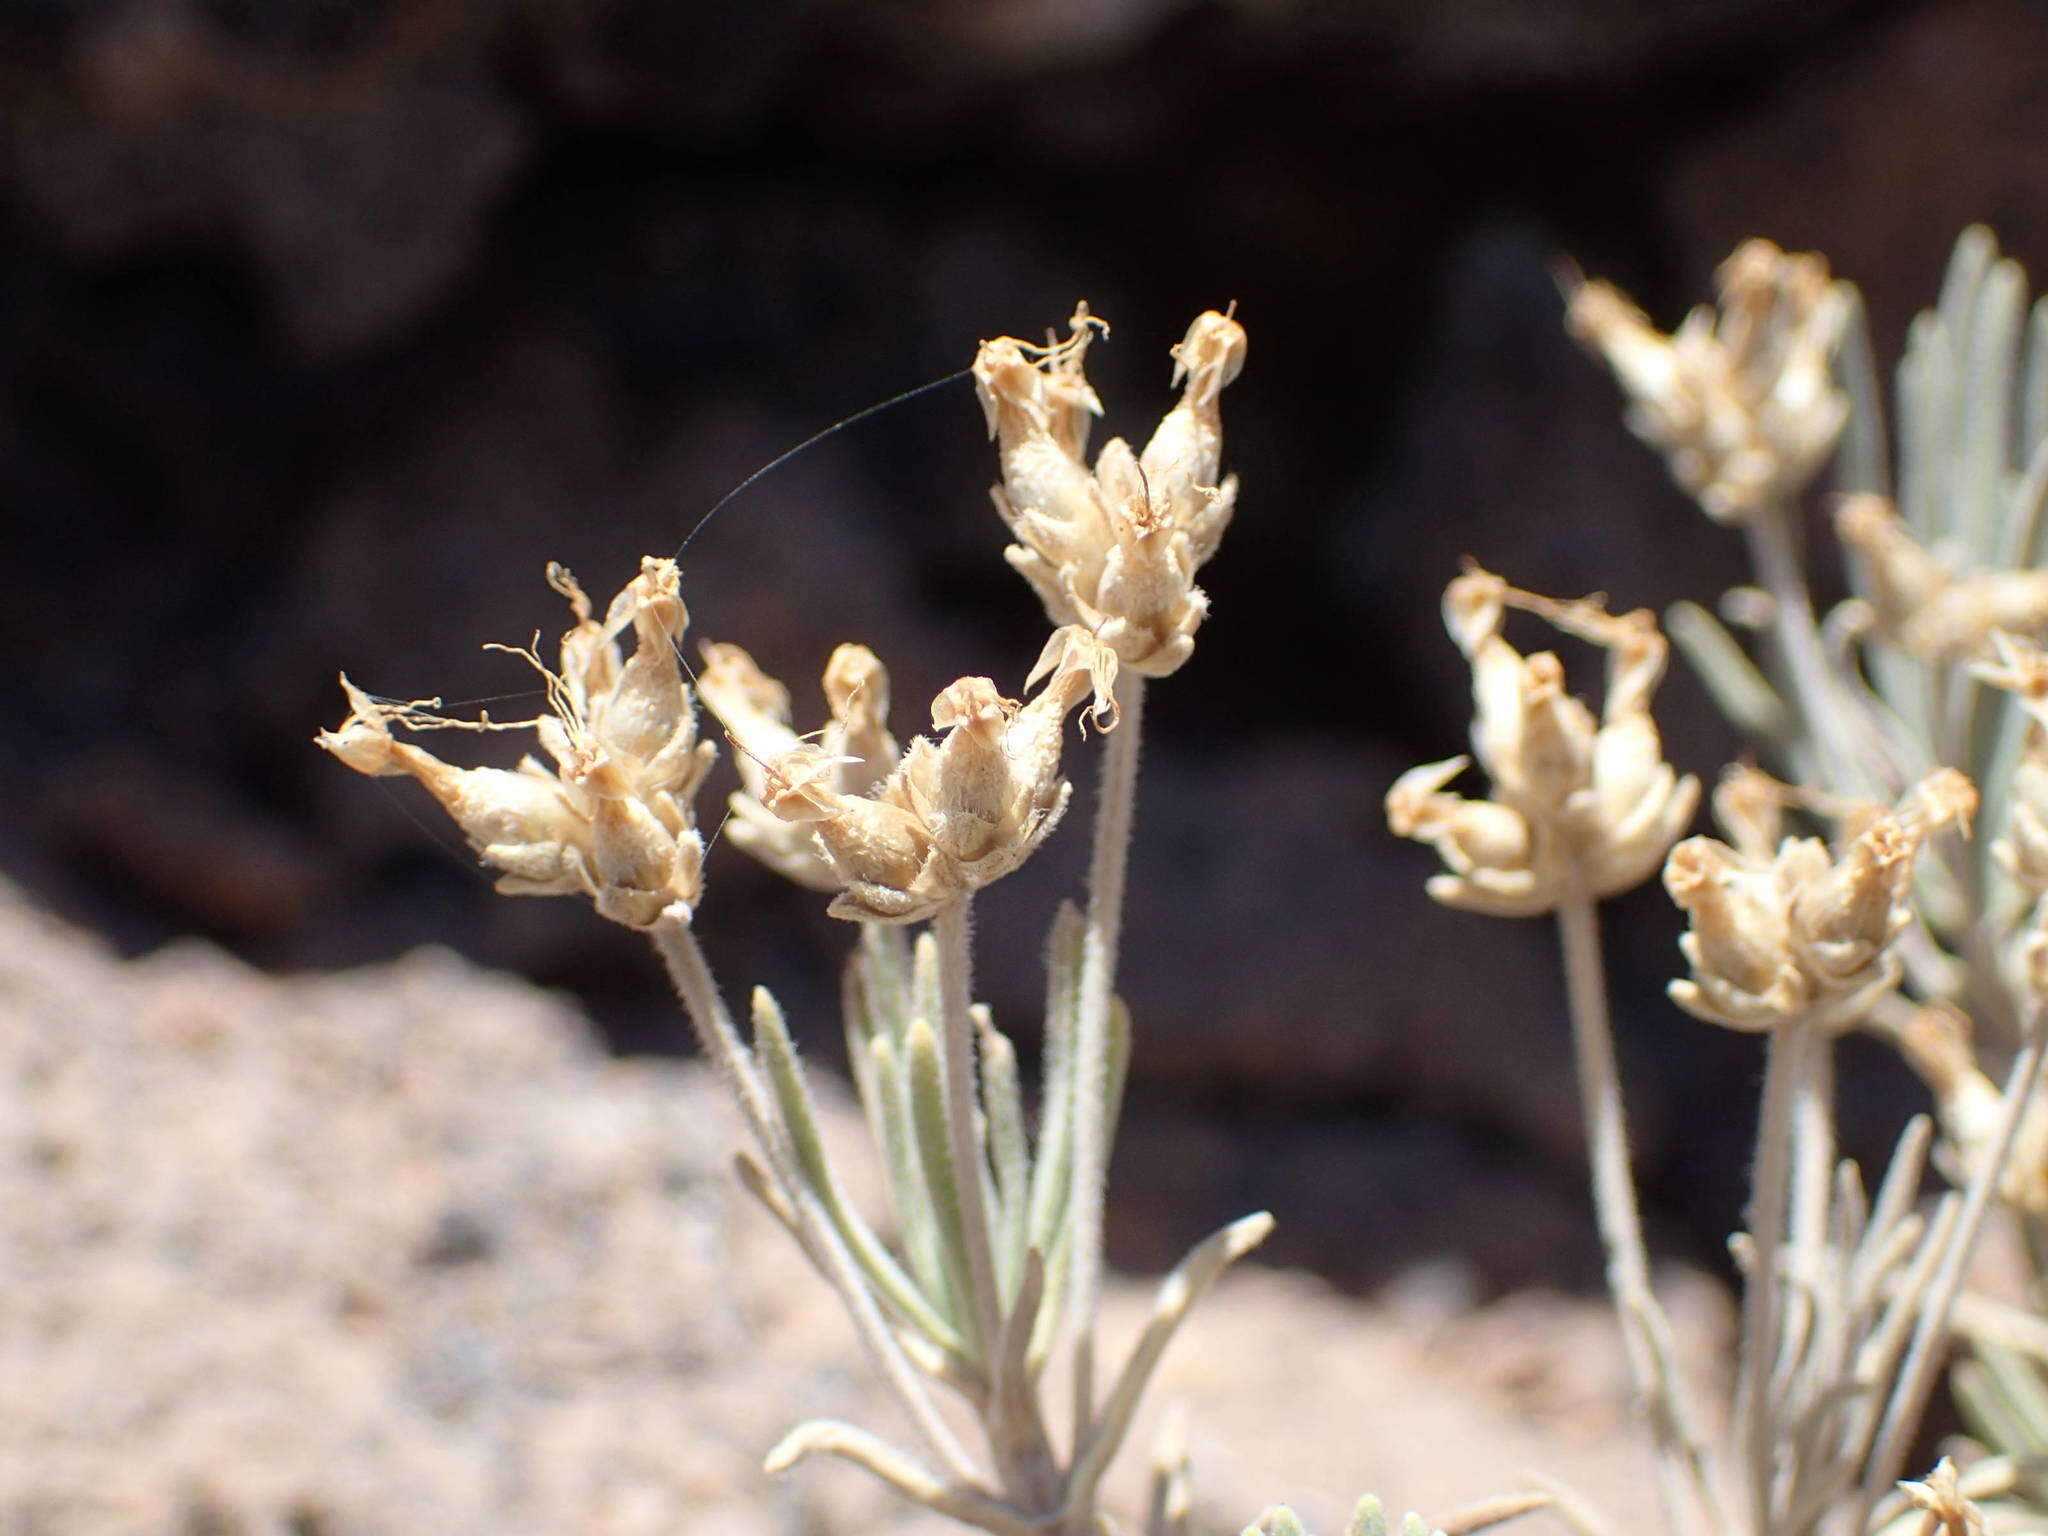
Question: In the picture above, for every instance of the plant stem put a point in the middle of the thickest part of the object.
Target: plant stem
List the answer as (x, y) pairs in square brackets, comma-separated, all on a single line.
[(1813, 1159), (676, 942), (1769, 1200), (1116, 801), (953, 928), (688, 971), (1645, 1332)]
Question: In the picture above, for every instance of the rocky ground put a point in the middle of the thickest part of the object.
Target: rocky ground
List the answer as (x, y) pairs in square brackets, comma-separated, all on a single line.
[(401, 1249)]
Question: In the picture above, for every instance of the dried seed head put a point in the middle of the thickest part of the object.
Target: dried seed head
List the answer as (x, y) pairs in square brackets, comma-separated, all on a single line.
[(1114, 550), (1924, 605), (1739, 942), (1797, 935), (852, 754), (1741, 403), (613, 819), (955, 813), (1946, 1511), (1578, 802)]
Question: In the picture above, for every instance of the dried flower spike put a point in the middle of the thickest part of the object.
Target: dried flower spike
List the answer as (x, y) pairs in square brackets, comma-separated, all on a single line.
[(954, 814), (1740, 402), (1577, 805), (1797, 935), (856, 744), (1115, 549), (613, 820)]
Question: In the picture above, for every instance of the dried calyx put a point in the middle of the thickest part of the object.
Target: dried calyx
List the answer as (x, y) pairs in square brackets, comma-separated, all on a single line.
[(949, 817), (612, 820), (855, 748), (1114, 549), (1783, 931), (1741, 401), (1579, 805)]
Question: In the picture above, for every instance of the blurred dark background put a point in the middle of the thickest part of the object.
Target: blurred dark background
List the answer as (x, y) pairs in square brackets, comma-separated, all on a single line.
[(324, 324)]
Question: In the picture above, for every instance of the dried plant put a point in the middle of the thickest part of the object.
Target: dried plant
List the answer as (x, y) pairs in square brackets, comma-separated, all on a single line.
[(1890, 722), (1895, 717), (989, 1261)]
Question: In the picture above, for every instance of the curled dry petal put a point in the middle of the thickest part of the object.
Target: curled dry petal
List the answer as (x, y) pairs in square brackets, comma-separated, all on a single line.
[(1740, 402), (852, 754), (1488, 848), (612, 820), (1114, 549)]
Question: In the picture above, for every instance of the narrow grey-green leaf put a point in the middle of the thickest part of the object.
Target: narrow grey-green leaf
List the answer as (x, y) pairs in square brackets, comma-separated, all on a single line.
[(2019, 1382), (1009, 1152), (1052, 1306), (927, 1001), (908, 1195), (1051, 1173), (941, 1179), (857, 1016), (1119, 1064), (2034, 382), (1926, 408), (1986, 1411), (777, 1051), (1860, 461), (1177, 1294), (1984, 427), (1743, 694), (885, 954)]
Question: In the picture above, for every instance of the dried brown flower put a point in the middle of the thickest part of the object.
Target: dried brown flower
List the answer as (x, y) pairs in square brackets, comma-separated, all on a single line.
[(953, 814), (1799, 935), (613, 819), (1115, 549), (1739, 401), (1577, 804)]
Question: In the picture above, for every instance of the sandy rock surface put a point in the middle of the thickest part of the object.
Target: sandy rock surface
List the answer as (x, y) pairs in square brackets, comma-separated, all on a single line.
[(401, 1250)]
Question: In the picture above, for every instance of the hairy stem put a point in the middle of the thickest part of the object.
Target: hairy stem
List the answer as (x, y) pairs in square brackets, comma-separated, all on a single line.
[(953, 928), (1680, 1462), (1116, 802), (1771, 1178)]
